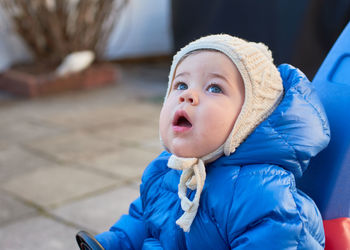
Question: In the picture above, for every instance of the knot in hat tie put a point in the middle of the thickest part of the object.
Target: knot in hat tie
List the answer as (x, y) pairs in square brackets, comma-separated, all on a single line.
[(193, 177)]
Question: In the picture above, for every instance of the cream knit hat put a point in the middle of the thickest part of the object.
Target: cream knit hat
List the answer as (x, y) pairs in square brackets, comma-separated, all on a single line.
[(263, 92)]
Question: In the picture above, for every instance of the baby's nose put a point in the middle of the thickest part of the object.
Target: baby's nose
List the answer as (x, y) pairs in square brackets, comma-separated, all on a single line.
[(190, 97)]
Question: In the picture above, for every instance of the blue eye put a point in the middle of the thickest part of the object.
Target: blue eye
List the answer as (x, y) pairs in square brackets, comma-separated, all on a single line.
[(214, 89), (181, 86)]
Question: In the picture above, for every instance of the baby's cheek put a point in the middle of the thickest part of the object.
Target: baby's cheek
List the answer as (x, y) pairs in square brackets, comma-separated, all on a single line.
[(164, 113), (220, 127), (164, 124)]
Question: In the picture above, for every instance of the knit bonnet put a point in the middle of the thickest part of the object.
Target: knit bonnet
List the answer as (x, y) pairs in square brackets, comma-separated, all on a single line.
[(263, 91)]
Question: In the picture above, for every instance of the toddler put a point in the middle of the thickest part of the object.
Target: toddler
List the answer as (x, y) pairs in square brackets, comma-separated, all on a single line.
[(237, 131)]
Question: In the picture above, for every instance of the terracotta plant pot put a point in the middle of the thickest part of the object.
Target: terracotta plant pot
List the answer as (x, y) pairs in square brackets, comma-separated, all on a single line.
[(26, 83)]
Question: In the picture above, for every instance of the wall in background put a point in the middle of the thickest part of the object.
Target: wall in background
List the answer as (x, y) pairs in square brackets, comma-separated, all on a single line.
[(144, 30), (12, 48)]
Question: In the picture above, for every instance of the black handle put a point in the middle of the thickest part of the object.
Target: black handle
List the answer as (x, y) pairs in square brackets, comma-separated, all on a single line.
[(87, 242)]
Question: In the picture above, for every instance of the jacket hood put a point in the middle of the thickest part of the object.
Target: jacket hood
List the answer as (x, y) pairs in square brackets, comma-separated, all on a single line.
[(296, 131)]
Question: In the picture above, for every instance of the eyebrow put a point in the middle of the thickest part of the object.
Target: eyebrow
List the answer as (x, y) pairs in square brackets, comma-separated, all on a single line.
[(182, 74), (211, 74), (218, 76)]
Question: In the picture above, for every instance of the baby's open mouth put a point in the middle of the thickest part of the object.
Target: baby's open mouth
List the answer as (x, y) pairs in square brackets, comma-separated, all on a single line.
[(181, 119), (183, 122)]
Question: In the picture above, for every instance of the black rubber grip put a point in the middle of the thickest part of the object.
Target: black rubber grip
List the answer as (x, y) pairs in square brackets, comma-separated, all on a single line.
[(87, 242)]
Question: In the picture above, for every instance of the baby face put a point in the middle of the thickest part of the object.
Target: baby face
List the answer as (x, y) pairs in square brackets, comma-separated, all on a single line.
[(206, 97)]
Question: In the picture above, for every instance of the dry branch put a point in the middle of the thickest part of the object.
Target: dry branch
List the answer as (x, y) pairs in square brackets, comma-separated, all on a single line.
[(54, 28)]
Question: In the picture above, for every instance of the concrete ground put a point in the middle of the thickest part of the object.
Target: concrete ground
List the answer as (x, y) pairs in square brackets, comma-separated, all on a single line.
[(74, 161)]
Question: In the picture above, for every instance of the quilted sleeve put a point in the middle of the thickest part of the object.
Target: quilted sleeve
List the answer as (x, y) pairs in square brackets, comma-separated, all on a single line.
[(265, 215), (128, 232)]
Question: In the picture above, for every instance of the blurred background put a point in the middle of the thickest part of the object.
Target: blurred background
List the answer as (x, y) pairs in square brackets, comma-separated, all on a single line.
[(73, 158)]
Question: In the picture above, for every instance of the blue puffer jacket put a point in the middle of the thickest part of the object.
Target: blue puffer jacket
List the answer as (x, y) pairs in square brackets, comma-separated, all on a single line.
[(249, 200)]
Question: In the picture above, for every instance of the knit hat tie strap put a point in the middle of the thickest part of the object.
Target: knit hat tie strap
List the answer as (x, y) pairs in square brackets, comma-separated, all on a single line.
[(193, 177)]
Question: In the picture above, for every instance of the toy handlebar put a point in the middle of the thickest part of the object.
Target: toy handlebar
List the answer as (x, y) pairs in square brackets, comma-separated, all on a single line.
[(87, 242)]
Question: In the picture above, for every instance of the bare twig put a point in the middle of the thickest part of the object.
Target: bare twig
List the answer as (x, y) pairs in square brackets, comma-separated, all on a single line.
[(54, 28)]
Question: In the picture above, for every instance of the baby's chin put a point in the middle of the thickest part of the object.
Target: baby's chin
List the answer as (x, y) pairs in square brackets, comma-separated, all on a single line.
[(187, 152)]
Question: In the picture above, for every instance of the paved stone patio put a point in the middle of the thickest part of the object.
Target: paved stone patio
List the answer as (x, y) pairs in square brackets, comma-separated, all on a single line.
[(74, 161)]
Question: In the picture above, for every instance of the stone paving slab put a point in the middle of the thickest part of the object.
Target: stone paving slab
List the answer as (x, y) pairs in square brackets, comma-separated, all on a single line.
[(3, 145), (12, 209), (152, 145), (110, 114), (16, 161), (141, 110), (39, 110), (72, 146), (21, 131), (143, 135), (15, 111), (94, 117), (126, 162), (36, 109), (136, 132), (39, 233), (54, 186), (74, 161), (97, 214)]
